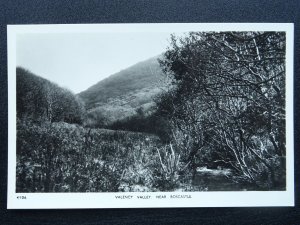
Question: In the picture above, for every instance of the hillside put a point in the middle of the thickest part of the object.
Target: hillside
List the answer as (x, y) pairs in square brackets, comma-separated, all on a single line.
[(121, 94), (39, 99)]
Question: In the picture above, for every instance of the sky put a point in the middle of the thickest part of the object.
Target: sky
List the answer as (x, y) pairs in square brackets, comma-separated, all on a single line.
[(79, 60)]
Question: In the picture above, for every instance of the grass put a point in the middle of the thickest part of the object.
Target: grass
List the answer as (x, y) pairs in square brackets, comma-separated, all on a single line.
[(71, 158)]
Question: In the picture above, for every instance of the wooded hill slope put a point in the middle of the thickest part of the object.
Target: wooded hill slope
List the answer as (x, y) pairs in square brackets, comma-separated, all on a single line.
[(39, 100), (120, 95)]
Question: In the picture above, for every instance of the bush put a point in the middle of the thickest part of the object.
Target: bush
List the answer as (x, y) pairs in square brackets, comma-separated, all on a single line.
[(168, 169), (59, 157)]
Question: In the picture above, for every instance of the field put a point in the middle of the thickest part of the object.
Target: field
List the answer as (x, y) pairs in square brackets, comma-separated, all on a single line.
[(60, 157)]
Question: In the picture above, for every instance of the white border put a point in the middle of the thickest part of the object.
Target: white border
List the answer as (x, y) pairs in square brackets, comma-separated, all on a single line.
[(108, 200)]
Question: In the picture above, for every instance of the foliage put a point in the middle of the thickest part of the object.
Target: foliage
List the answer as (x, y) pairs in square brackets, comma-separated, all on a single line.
[(41, 100), (147, 121), (228, 97), (59, 157), (224, 108), (170, 169)]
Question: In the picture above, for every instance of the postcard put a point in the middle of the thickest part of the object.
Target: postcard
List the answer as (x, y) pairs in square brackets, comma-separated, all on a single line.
[(150, 115)]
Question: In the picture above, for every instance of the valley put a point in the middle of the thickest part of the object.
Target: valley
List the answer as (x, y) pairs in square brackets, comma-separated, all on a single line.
[(195, 118)]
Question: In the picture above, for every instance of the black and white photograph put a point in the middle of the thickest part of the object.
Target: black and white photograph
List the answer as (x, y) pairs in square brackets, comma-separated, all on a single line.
[(159, 112)]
